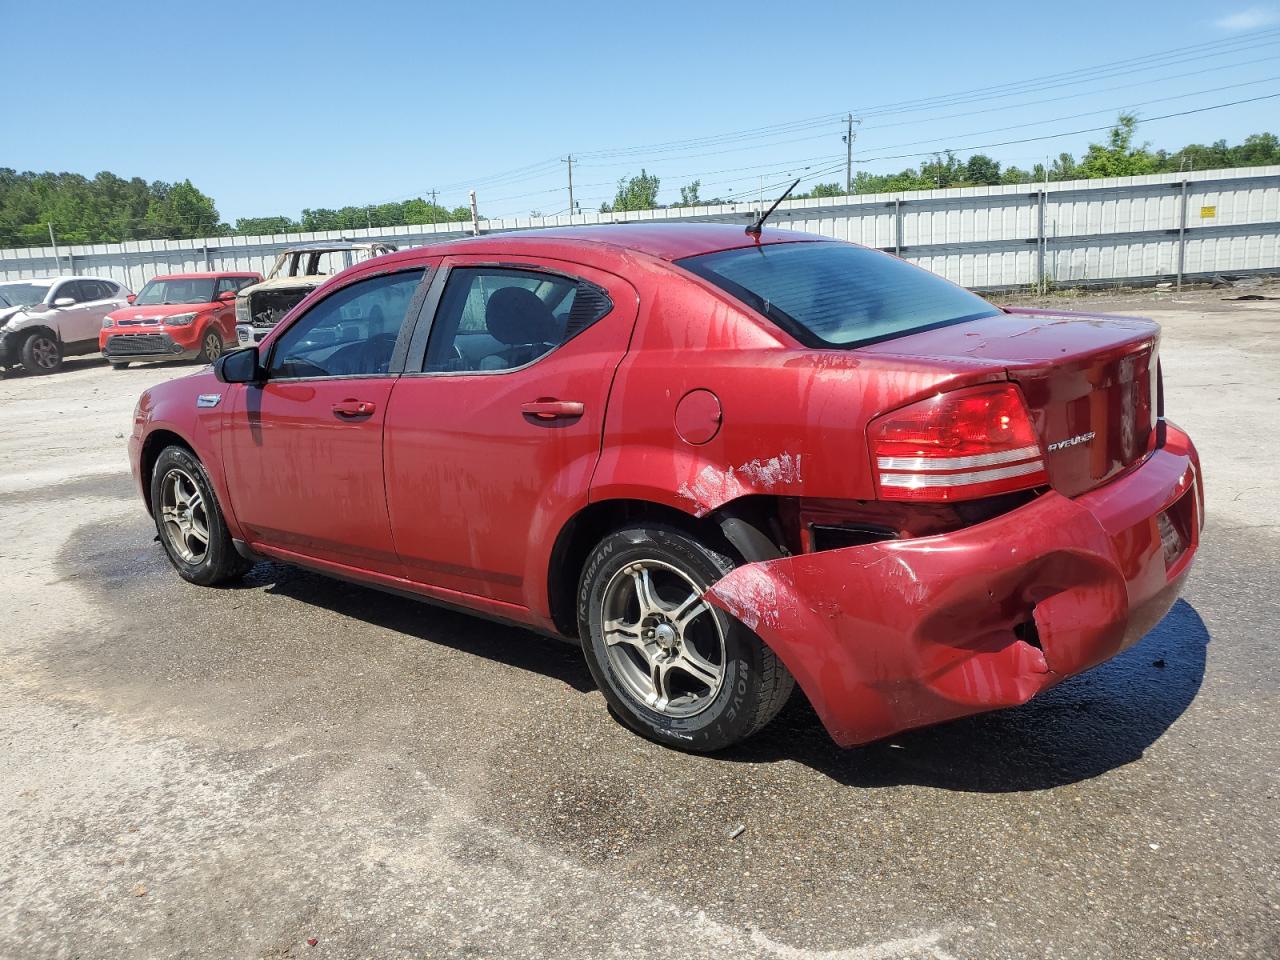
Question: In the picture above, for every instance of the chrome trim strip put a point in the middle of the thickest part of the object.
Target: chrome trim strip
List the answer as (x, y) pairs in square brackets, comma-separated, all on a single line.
[(913, 481), (956, 463)]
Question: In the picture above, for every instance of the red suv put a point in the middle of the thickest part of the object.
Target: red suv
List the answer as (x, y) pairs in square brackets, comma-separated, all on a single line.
[(180, 316), (719, 461)]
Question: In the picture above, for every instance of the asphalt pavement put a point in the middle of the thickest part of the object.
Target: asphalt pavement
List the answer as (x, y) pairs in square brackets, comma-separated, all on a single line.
[(239, 772)]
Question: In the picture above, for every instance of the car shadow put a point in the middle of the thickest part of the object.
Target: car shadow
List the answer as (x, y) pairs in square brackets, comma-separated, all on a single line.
[(468, 633), (1082, 728)]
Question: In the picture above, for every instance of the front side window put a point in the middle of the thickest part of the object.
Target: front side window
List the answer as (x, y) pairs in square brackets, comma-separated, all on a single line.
[(493, 319), (836, 294), (350, 333), (70, 289), (230, 284), (176, 290)]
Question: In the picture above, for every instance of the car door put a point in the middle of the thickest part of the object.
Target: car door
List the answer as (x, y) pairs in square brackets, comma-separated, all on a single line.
[(100, 300), (495, 428), (75, 321), (224, 313), (303, 450)]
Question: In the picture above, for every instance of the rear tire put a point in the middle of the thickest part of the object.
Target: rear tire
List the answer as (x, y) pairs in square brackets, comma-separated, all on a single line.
[(190, 522), (674, 668), (118, 366), (41, 353)]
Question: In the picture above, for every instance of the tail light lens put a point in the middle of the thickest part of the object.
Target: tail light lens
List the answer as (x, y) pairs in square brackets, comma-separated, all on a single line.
[(957, 446)]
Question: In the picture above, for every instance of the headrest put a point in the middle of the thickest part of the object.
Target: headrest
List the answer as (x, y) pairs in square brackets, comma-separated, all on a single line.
[(515, 315)]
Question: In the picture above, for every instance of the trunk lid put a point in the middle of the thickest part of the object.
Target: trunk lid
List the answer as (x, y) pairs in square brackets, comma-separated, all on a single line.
[(1089, 381)]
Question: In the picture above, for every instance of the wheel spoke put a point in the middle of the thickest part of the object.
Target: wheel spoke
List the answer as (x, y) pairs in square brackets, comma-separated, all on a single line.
[(196, 528), (195, 502), (692, 608), (661, 669), (649, 603), (702, 670), (617, 631)]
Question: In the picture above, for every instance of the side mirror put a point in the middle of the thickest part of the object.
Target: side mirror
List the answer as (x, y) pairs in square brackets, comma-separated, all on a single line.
[(240, 366), (132, 297), (227, 295), (64, 302)]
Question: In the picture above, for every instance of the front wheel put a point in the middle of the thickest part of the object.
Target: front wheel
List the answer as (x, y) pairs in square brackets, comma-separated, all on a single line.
[(189, 521), (211, 347), (675, 669), (41, 353)]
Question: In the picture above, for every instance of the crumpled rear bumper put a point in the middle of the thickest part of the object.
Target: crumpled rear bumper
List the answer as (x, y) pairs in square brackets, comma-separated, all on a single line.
[(906, 633)]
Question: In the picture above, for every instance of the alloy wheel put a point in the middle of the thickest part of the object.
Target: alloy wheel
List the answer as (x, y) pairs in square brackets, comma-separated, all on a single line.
[(45, 352), (185, 516), (665, 643), (212, 347)]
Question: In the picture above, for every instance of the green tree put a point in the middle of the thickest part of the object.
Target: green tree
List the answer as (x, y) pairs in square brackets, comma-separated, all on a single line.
[(689, 194), (260, 226), (180, 210), (980, 169), (823, 190), (635, 193), (1118, 157)]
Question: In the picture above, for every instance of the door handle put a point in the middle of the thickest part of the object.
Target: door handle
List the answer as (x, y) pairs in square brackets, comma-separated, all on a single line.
[(552, 409), (354, 408)]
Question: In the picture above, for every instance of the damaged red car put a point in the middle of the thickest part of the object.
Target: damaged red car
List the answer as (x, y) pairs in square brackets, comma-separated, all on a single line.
[(725, 463)]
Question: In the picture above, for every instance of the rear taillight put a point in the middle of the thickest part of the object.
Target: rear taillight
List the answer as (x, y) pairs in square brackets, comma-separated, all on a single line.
[(957, 446)]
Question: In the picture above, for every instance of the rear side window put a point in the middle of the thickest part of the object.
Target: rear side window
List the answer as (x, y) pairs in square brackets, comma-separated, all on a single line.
[(838, 295), (494, 318)]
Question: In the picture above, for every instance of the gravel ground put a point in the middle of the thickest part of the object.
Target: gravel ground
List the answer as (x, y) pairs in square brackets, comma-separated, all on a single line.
[(237, 772)]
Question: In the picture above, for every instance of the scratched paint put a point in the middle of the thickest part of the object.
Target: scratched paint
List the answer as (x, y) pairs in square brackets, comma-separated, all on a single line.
[(715, 485)]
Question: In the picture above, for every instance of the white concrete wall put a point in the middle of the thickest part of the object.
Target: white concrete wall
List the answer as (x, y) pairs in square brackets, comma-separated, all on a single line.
[(1095, 231)]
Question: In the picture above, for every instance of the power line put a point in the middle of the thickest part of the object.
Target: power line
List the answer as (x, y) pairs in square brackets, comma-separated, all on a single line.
[(1072, 133), (1089, 113)]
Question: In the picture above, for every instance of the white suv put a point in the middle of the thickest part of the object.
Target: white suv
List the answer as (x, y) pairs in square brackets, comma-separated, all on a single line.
[(45, 319)]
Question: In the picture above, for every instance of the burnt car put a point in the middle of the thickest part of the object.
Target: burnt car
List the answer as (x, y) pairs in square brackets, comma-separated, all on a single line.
[(296, 272), (723, 463)]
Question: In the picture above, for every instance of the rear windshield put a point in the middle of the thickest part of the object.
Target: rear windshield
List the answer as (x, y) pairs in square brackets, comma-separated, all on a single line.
[(836, 294)]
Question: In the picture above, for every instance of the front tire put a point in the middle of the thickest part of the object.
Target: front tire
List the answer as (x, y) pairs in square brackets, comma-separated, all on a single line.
[(41, 353), (211, 346), (119, 366), (674, 668), (190, 522)]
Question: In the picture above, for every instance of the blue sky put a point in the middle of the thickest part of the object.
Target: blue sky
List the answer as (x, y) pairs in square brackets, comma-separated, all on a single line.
[(270, 111)]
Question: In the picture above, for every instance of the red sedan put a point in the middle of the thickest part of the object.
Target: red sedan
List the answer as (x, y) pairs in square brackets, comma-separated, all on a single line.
[(719, 461), (180, 316)]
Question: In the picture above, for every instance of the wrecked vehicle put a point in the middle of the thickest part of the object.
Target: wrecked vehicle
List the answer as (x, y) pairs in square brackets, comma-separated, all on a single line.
[(723, 463), (296, 272), (44, 319)]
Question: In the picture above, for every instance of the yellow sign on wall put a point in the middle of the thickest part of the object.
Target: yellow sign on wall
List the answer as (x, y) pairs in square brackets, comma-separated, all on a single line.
[(1206, 212)]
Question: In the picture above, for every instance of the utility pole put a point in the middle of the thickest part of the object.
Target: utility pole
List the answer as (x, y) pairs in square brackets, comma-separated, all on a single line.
[(433, 198), (569, 161), (848, 138), (56, 259), (475, 216)]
